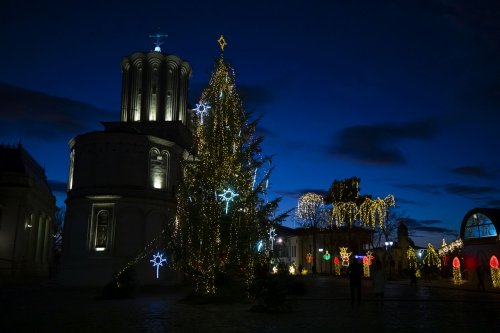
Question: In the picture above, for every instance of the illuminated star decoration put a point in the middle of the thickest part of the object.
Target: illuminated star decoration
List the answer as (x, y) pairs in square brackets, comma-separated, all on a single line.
[(272, 236), (227, 196), (222, 42), (201, 109), (158, 261)]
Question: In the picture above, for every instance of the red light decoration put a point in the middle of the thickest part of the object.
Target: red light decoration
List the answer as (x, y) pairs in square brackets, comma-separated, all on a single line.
[(336, 261), (493, 262), (456, 262), (309, 258), (366, 261)]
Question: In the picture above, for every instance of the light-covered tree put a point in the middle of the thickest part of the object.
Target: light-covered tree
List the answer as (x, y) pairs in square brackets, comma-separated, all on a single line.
[(223, 216), (312, 215)]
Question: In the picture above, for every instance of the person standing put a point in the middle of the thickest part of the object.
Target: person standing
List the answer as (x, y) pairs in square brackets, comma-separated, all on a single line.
[(480, 277), (379, 281), (413, 277), (355, 272)]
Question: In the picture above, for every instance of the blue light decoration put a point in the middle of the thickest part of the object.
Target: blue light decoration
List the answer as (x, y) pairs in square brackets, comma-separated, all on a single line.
[(260, 245), (272, 236), (254, 178), (158, 261), (201, 110), (227, 196)]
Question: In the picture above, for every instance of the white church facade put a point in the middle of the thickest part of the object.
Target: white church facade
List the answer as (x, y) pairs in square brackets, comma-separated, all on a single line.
[(122, 180)]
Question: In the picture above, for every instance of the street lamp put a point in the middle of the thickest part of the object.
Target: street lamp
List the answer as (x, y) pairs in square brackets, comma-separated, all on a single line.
[(388, 244)]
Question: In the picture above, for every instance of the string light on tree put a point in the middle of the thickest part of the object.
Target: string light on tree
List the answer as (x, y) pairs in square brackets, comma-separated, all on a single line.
[(432, 258), (158, 261), (412, 258), (272, 236)]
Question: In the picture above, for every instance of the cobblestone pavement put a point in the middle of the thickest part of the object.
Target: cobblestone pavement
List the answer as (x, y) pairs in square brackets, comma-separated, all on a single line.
[(431, 307)]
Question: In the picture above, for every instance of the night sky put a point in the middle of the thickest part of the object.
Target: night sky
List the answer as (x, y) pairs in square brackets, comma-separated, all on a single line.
[(403, 94)]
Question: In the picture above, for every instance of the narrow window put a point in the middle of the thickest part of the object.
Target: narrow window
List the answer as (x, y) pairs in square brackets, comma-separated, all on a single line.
[(102, 228), (71, 166), (158, 166)]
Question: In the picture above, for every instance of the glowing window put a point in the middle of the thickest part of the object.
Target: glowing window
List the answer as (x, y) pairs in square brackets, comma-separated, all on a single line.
[(479, 226), (158, 166), (102, 229)]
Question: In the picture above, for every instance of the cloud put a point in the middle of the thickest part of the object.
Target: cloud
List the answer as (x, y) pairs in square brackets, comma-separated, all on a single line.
[(474, 171), (57, 186), (403, 201), (493, 203), (296, 194), (425, 188), (467, 190), (255, 95), (430, 226), (29, 114), (252, 95), (377, 144), (264, 131)]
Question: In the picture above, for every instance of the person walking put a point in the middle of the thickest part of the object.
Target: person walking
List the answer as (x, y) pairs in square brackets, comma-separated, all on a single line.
[(355, 272)]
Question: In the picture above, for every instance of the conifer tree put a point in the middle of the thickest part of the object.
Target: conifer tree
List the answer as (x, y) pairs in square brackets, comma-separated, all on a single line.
[(223, 217)]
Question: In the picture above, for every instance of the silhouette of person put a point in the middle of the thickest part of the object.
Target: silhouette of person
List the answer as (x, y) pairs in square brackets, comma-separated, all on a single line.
[(480, 277), (355, 272), (379, 280), (413, 277)]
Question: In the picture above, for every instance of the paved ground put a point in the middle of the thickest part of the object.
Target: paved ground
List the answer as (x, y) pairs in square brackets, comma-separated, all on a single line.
[(431, 307)]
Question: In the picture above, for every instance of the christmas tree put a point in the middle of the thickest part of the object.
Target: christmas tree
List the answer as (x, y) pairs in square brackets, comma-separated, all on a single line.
[(223, 217), (431, 260)]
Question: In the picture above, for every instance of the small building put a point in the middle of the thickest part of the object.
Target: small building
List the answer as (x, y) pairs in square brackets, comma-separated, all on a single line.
[(27, 214), (300, 244), (479, 233)]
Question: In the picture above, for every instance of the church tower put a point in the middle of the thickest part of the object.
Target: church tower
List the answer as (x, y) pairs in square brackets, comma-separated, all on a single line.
[(122, 180)]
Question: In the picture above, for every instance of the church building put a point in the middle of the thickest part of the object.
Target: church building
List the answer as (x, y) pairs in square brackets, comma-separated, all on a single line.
[(122, 180), (27, 214)]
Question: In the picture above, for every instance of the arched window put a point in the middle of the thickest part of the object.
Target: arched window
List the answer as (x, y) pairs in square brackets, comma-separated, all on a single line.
[(102, 228), (166, 159), (158, 168), (479, 226)]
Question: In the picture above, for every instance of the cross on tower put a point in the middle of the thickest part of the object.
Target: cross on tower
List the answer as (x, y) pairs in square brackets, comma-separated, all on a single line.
[(157, 41)]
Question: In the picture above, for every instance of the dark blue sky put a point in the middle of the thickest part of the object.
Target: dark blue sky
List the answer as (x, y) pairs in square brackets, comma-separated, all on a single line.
[(403, 94)]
